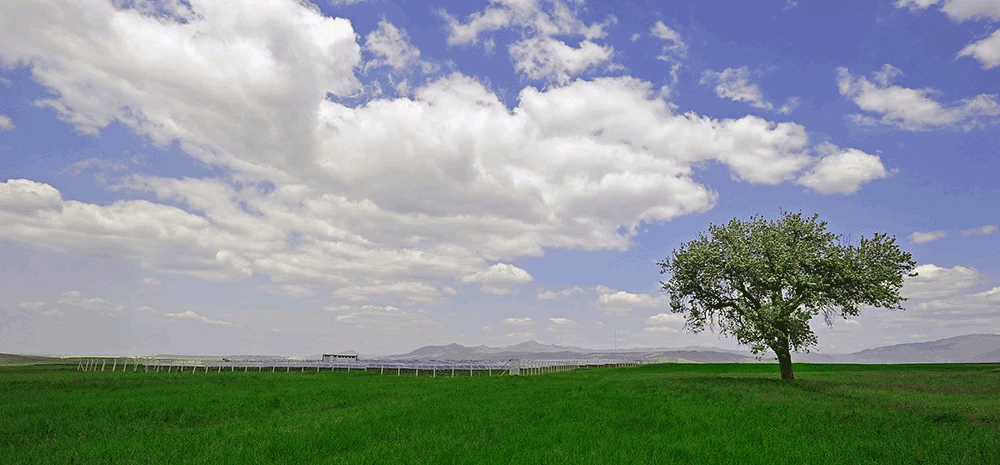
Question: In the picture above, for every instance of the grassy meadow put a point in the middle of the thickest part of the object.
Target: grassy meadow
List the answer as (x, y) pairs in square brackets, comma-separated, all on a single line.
[(654, 414)]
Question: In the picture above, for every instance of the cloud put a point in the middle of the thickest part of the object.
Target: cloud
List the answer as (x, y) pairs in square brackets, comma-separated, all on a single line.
[(151, 281), (615, 302), (74, 298), (790, 105), (949, 304), (190, 63), (189, 315), (922, 237), (411, 291), (914, 109), (392, 48), (294, 291), (518, 321), (539, 55), (734, 84), (666, 319), (563, 323), (498, 278), (568, 292), (407, 193), (5, 123), (661, 329), (981, 231), (524, 335), (663, 32), (381, 317), (842, 171), (31, 305), (552, 59), (664, 323), (500, 273), (674, 49), (987, 50), (102, 164), (934, 282), (958, 10), (990, 295), (145, 308)]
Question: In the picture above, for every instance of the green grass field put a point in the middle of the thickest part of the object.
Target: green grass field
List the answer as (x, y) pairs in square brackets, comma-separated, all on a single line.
[(672, 413)]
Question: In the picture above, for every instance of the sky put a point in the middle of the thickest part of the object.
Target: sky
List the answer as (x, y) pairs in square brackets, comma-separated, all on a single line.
[(285, 177)]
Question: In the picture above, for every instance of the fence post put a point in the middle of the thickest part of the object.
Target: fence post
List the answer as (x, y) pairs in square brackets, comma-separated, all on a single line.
[(381, 370), (453, 371)]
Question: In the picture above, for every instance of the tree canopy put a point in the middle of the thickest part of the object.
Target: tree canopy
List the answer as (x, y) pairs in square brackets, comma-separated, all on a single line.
[(762, 281)]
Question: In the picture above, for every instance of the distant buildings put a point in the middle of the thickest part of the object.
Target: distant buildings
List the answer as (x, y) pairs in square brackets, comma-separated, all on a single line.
[(339, 357)]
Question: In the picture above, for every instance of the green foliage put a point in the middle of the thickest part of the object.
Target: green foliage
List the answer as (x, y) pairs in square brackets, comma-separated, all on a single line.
[(674, 413), (762, 281)]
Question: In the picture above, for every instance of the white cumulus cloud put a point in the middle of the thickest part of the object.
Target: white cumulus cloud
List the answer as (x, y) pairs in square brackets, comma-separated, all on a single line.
[(981, 230), (842, 171), (386, 199), (920, 237), (914, 109), (75, 299), (568, 292), (540, 54), (987, 50), (189, 315), (391, 47), (934, 282), (518, 321), (734, 84), (615, 302)]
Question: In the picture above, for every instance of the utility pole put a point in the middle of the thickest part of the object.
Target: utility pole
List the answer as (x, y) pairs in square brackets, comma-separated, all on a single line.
[(616, 341)]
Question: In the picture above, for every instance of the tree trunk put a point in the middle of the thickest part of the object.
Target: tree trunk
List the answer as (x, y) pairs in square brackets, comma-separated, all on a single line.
[(785, 363)]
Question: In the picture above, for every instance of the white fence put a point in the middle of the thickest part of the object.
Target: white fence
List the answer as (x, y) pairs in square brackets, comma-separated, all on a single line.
[(511, 367)]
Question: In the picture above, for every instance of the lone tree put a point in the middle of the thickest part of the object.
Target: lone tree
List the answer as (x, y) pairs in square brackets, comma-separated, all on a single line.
[(762, 281)]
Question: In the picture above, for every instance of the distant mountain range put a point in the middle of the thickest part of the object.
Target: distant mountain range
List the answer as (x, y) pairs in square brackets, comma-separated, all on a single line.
[(972, 348)]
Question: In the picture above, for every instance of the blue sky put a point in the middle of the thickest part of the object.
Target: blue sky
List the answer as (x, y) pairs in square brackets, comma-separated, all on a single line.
[(221, 177)]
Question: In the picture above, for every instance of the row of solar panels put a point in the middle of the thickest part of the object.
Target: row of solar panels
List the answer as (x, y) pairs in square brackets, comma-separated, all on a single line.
[(288, 365)]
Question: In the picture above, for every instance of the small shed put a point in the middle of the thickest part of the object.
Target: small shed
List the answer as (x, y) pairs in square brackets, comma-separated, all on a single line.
[(339, 357)]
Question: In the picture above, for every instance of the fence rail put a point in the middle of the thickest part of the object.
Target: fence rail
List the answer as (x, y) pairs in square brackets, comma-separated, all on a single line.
[(510, 367)]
